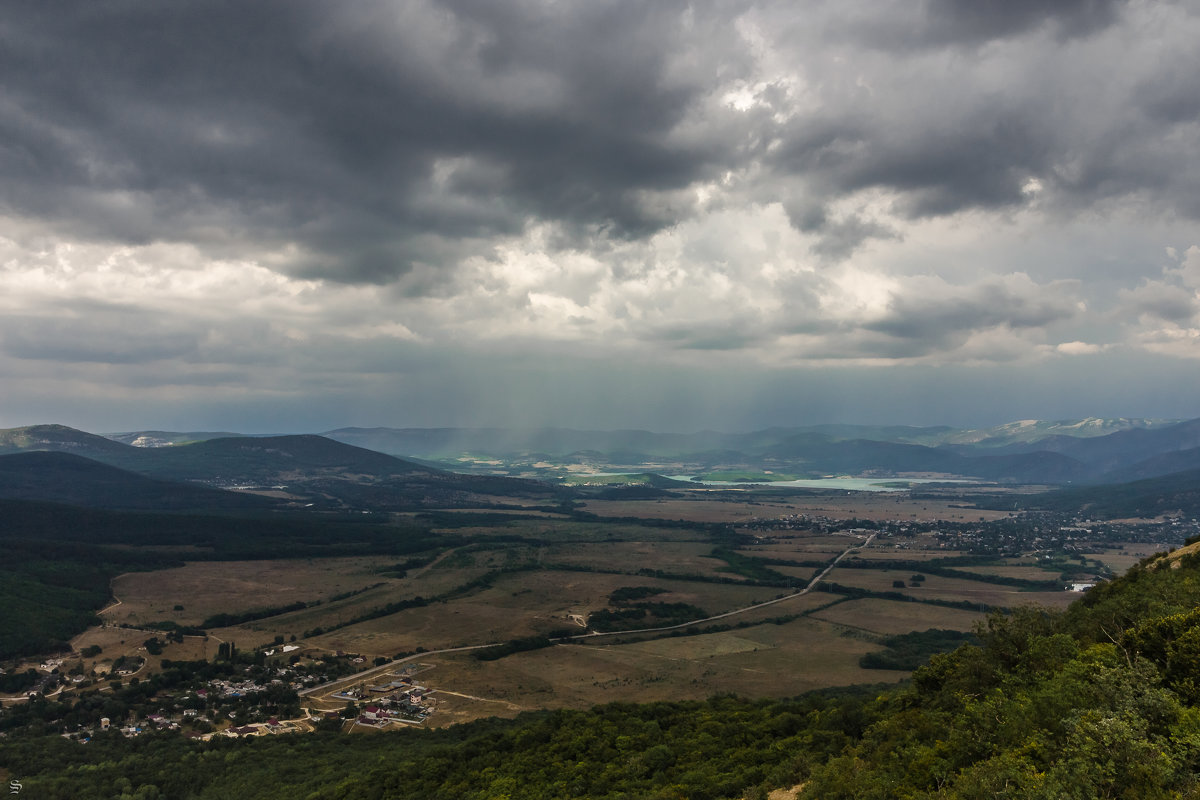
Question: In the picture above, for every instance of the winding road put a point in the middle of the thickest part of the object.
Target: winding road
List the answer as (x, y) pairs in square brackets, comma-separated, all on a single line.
[(328, 688)]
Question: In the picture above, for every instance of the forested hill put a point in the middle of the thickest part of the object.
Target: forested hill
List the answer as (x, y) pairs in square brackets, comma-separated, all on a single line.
[(1100, 701)]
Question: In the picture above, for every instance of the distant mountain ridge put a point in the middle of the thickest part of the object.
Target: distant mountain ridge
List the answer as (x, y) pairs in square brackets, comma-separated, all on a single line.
[(1070, 452), (70, 479), (1057, 452), (447, 442), (305, 468)]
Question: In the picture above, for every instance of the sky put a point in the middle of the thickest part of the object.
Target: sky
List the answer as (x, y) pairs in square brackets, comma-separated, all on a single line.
[(290, 215)]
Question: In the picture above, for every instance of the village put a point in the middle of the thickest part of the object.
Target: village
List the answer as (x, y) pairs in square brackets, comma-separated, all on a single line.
[(246, 695)]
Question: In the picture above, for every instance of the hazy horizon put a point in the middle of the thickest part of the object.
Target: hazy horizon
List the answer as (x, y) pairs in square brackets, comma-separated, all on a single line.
[(1158, 421), (291, 216)]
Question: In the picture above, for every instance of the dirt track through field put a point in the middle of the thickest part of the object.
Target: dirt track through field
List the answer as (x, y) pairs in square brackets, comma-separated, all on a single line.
[(811, 585)]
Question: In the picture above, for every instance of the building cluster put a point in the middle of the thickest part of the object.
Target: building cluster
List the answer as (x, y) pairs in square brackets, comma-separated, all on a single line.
[(399, 700)]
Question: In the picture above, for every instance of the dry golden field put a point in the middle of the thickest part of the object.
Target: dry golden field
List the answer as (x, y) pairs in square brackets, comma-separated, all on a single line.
[(682, 557), (803, 642), (939, 588), (763, 661), (205, 588), (858, 505), (888, 617)]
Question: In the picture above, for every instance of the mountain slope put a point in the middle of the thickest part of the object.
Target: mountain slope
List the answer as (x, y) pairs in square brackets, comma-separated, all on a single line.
[(59, 477), (330, 474), (1157, 466), (59, 438), (271, 459), (1167, 494), (167, 438), (313, 470)]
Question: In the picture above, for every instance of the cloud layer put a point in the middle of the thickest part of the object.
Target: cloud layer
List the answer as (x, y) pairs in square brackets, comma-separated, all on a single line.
[(228, 207)]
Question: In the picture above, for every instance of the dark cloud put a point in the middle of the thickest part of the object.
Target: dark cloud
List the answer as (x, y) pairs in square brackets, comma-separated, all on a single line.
[(842, 237), (374, 140), (974, 21), (1167, 302), (352, 133), (933, 320), (945, 130)]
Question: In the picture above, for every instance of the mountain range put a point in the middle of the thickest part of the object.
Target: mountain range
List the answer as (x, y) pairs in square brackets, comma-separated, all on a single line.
[(57, 463), (361, 468), (1091, 451)]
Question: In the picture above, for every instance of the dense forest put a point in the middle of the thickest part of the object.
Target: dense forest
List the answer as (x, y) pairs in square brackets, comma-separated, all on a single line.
[(1102, 700)]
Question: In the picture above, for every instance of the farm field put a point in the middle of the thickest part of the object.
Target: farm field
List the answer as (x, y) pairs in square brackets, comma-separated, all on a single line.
[(547, 531), (889, 617), (882, 550), (807, 545), (1030, 573), (502, 576), (698, 506), (205, 588), (519, 605), (778, 503), (939, 588), (1122, 558), (679, 557), (763, 661)]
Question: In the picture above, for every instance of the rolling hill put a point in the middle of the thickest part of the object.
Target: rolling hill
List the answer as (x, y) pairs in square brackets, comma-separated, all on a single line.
[(308, 469), (62, 439), (61, 477), (1167, 494)]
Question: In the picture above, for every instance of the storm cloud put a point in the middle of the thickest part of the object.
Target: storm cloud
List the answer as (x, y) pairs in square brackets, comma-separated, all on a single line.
[(310, 201)]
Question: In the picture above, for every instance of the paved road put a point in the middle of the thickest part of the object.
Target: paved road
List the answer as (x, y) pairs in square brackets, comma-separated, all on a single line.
[(349, 679), (328, 688), (811, 585)]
